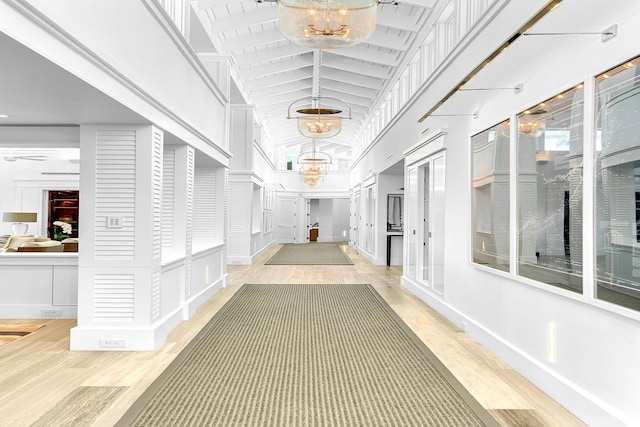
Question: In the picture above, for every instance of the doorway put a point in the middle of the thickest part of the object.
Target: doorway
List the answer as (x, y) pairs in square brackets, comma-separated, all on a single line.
[(328, 219)]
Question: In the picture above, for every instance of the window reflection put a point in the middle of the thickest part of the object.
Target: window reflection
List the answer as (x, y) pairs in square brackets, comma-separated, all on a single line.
[(617, 193), (490, 154), (550, 158)]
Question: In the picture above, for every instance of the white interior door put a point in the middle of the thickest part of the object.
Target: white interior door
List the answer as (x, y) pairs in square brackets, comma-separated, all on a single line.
[(436, 215), (424, 232), (358, 219), (370, 219), (286, 228), (309, 221), (411, 222)]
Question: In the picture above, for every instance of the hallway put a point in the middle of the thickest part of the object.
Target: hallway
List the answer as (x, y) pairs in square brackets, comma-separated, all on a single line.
[(42, 383)]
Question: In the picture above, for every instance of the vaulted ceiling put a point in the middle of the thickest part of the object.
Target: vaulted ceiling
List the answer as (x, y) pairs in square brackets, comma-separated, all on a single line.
[(271, 72)]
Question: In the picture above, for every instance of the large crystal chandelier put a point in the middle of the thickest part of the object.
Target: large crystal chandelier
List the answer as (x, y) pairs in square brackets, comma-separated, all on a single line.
[(327, 24)]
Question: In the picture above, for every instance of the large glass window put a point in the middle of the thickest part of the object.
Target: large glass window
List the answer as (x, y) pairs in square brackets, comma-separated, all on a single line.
[(550, 158), (617, 187), (490, 160)]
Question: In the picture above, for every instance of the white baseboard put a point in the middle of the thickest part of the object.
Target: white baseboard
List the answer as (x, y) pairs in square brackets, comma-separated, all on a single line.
[(239, 260), (249, 259), (143, 338), (192, 304), (580, 402), (38, 311), (262, 251)]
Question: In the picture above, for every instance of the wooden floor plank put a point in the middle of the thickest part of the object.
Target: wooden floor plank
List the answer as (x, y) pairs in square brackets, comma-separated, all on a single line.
[(39, 368)]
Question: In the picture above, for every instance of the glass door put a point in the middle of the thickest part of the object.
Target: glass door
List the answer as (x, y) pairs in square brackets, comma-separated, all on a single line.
[(424, 215), (358, 220), (411, 225), (436, 214), (369, 215), (424, 230)]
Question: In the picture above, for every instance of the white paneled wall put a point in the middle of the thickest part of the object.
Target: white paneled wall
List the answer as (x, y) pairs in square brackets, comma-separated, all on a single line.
[(168, 199), (189, 197), (115, 194), (121, 183), (239, 221), (204, 206), (113, 297), (190, 166), (156, 188)]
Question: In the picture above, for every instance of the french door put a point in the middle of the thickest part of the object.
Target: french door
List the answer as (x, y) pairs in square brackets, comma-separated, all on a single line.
[(424, 232)]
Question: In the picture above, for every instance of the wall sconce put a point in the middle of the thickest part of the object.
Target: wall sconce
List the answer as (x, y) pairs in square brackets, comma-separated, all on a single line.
[(19, 220)]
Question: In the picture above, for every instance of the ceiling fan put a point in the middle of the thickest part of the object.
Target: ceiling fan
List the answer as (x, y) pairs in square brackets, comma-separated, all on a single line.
[(37, 157)]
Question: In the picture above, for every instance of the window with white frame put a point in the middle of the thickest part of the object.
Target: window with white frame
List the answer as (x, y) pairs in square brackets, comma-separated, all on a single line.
[(550, 161), (490, 196), (617, 185)]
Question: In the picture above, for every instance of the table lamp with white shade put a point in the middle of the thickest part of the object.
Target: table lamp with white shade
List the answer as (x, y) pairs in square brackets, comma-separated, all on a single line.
[(19, 220)]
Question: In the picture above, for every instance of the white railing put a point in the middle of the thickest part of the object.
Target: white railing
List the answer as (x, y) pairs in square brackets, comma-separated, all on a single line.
[(454, 22)]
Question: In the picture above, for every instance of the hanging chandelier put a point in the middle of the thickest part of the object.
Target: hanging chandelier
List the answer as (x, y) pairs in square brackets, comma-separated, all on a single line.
[(312, 173), (327, 24), (314, 157), (312, 165), (316, 121)]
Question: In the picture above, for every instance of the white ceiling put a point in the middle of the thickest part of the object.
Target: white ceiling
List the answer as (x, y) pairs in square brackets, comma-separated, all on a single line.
[(37, 92), (41, 98), (271, 72), (268, 70)]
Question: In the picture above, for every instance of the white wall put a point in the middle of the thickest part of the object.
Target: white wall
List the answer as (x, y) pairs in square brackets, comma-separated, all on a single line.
[(340, 220), (595, 368), (114, 53), (325, 214), (314, 211), (332, 182)]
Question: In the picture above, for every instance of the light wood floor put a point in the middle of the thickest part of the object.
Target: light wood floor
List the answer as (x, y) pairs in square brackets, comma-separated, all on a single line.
[(42, 383)]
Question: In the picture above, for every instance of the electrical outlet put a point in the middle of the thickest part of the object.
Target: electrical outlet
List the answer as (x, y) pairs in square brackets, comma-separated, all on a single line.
[(112, 343), (51, 313)]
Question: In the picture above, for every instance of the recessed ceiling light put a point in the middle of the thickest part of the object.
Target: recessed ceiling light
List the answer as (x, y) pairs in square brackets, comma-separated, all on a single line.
[(3, 116)]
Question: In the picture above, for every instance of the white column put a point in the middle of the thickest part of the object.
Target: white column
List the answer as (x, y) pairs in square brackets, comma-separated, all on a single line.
[(241, 185), (119, 265)]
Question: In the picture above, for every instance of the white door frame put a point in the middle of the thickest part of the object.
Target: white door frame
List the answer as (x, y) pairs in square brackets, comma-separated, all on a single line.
[(427, 231)]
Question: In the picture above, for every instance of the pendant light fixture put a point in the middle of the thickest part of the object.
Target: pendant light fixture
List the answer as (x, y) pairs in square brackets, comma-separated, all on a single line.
[(316, 120), (313, 165), (327, 24), (314, 157), (312, 173)]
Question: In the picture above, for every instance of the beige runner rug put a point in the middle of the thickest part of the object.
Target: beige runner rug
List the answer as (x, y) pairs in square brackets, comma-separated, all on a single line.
[(310, 254), (307, 355)]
